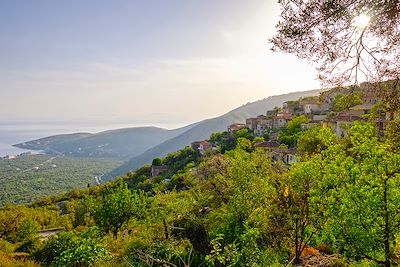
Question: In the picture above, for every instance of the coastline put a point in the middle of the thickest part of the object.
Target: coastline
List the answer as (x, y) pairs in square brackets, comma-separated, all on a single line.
[(10, 150)]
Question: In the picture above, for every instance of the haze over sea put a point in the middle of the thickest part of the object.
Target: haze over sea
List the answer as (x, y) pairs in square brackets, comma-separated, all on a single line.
[(14, 132)]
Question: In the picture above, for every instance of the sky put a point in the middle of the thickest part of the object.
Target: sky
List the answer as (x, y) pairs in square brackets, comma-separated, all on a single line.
[(152, 62)]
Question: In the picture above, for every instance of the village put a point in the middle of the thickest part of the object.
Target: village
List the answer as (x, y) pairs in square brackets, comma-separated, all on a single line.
[(320, 110), (336, 108)]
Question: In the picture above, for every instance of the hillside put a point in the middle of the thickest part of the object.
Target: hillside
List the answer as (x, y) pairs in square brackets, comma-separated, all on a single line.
[(119, 144), (47, 142), (244, 203), (238, 202), (205, 128)]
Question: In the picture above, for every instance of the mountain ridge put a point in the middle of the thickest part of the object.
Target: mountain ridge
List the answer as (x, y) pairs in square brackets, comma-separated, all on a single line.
[(205, 128), (118, 144)]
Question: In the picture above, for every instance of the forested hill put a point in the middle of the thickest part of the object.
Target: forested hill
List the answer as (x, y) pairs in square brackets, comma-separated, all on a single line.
[(205, 128), (120, 144)]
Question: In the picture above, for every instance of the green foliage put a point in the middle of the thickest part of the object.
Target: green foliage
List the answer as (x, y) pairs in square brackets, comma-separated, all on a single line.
[(358, 194), (258, 140), (243, 133), (21, 183), (266, 136), (20, 222), (293, 131), (247, 179), (117, 207), (233, 209), (179, 160), (392, 136), (226, 141), (296, 204), (245, 251), (84, 208), (294, 106), (55, 246), (225, 256), (85, 253), (139, 176), (244, 144), (250, 250), (183, 180), (27, 230), (315, 140), (157, 162), (345, 102)]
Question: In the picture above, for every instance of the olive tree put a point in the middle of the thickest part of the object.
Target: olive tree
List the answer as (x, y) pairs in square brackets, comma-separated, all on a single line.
[(118, 206)]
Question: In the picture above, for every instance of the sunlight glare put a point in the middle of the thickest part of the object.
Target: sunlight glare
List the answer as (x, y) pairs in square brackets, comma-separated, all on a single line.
[(361, 21)]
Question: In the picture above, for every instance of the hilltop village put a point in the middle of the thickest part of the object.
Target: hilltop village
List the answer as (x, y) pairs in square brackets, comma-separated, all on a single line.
[(336, 108)]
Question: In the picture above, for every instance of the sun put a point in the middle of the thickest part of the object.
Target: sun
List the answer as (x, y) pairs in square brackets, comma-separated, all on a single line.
[(361, 21)]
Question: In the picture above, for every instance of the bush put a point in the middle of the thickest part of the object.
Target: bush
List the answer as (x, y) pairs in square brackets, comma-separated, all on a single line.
[(119, 206), (86, 253), (27, 230), (55, 246)]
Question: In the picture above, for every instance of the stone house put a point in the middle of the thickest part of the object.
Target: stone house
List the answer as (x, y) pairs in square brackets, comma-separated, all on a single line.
[(342, 121), (281, 120), (287, 156), (251, 123), (235, 127), (195, 145), (263, 124), (371, 97), (360, 110), (204, 147), (158, 170), (310, 106)]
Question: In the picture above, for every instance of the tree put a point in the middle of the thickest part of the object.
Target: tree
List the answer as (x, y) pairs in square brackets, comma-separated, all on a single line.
[(243, 133), (28, 230), (392, 137), (315, 140), (295, 201), (157, 162), (347, 40), (248, 178), (293, 131), (359, 196), (180, 159), (118, 206), (244, 144), (55, 246), (345, 102)]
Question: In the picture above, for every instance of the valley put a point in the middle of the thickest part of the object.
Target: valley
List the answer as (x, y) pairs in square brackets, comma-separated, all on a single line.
[(26, 178)]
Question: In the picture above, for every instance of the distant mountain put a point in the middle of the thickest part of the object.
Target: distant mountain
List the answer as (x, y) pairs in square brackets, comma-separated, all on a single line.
[(205, 128), (120, 144), (48, 142)]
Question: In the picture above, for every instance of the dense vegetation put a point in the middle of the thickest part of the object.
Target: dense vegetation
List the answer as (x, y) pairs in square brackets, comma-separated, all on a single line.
[(238, 208), (30, 177)]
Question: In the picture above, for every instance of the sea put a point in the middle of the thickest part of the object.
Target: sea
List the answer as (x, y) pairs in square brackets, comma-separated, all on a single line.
[(15, 132)]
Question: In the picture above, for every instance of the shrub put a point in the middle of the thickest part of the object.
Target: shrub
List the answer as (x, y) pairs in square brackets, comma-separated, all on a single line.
[(55, 246), (86, 253)]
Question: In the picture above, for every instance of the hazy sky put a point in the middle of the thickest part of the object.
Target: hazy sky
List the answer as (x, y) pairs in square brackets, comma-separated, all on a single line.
[(160, 61)]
